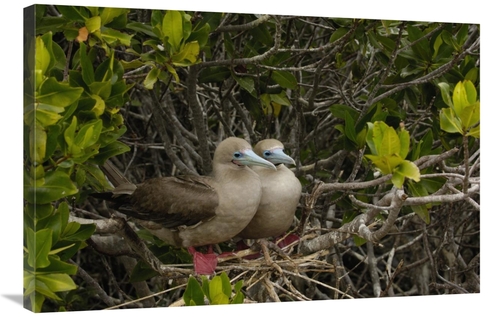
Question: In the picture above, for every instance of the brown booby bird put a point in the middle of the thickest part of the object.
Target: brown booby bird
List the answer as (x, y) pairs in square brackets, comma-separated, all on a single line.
[(281, 192), (191, 211)]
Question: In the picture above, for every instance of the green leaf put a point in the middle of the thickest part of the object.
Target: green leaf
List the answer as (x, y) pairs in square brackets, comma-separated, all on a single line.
[(99, 106), (226, 284), (86, 63), (200, 35), (246, 83), (220, 299), (215, 290), (108, 14), (405, 169), (110, 150), (472, 74), (390, 142), (69, 133), (418, 190), (72, 13), (340, 111), (93, 24), (112, 36), (88, 134), (280, 99), (386, 164), (404, 141), (53, 223), (58, 266), (71, 228), (101, 89), (238, 298), (38, 143), (151, 78), (172, 71), (42, 57), (84, 232), (57, 94), (40, 211), (95, 177), (193, 295), (445, 93), (338, 34), (141, 27), (47, 115), (172, 28), (448, 122), (57, 282), (55, 185), (284, 79), (188, 55), (474, 132), (470, 115), (350, 130), (39, 244)]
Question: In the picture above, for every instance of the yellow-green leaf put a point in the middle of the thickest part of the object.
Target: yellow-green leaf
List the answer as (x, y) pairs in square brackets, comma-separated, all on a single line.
[(474, 132), (172, 28), (405, 169), (445, 93), (93, 24), (448, 122), (58, 94), (172, 71), (151, 78), (38, 143), (404, 141), (188, 55), (108, 14), (57, 282), (390, 142), (39, 244), (460, 100), (42, 56), (99, 106)]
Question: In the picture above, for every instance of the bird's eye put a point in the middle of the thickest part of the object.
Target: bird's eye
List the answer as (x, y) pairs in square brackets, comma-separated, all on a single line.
[(237, 155), (267, 153)]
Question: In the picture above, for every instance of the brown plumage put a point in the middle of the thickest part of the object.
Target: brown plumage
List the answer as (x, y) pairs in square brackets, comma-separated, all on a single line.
[(191, 211), (281, 192)]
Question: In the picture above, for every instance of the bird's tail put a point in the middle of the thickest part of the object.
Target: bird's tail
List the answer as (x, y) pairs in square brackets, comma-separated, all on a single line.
[(115, 177)]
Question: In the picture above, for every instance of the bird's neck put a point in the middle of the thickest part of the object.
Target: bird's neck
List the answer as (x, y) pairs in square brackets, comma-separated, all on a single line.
[(225, 173)]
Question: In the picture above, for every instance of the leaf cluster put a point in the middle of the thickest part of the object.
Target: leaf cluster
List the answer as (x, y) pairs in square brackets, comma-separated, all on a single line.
[(217, 291)]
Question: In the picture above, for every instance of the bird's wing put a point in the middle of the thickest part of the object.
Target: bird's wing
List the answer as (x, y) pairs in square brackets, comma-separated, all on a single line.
[(173, 201)]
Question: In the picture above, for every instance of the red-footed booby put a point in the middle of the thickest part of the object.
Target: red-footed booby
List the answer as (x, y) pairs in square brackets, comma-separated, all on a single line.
[(281, 192), (191, 211)]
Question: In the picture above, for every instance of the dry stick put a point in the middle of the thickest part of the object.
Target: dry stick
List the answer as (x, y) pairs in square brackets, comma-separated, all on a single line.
[(174, 126), (243, 27), (198, 119), (391, 278), (358, 225), (147, 297), (244, 117), (270, 288), (384, 74), (162, 130), (142, 250), (141, 287), (372, 269), (100, 293), (316, 282)]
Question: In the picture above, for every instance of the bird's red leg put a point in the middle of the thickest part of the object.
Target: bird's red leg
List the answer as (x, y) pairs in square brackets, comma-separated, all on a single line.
[(204, 264)]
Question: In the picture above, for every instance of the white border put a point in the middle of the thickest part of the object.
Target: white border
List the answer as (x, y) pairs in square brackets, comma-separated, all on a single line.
[(423, 10)]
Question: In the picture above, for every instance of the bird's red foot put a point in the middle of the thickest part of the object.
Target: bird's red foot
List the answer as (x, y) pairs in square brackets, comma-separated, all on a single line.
[(204, 264)]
